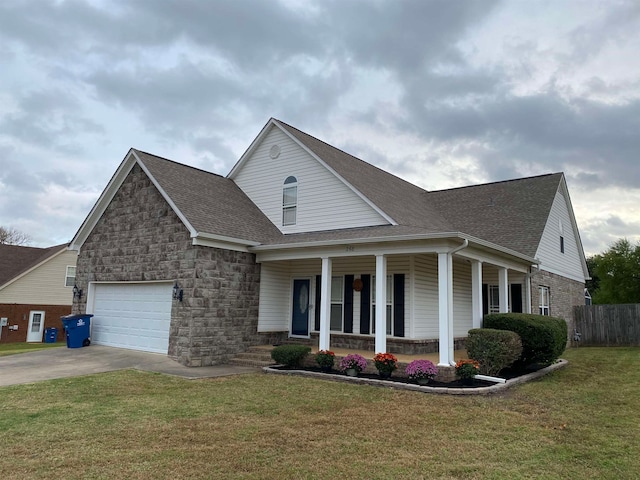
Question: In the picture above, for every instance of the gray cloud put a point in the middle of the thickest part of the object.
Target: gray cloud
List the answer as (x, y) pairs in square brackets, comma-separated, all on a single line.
[(86, 79)]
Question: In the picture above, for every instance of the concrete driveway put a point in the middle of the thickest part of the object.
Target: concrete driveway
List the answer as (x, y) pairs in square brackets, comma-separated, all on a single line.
[(72, 362)]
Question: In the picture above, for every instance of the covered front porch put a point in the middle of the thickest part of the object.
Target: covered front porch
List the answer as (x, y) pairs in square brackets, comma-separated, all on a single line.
[(435, 291)]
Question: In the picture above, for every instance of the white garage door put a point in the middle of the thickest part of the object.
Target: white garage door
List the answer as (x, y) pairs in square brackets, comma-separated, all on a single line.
[(132, 315)]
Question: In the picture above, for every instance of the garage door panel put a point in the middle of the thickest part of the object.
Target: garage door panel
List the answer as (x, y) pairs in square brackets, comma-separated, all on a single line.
[(135, 316)]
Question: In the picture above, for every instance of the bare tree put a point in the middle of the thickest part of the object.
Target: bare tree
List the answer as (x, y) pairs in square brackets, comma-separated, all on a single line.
[(12, 236)]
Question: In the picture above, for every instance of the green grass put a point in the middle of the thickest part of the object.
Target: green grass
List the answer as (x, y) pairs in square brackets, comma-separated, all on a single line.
[(14, 348), (579, 422)]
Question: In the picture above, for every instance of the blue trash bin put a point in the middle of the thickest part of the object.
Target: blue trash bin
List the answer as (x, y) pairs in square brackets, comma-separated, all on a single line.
[(78, 330), (50, 335)]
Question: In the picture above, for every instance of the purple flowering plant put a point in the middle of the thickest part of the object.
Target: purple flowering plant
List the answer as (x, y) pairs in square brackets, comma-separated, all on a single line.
[(355, 361), (421, 369)]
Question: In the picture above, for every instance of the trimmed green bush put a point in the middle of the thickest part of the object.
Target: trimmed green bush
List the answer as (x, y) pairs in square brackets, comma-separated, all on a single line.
[(493, 349), (290, 355), (543, 338)]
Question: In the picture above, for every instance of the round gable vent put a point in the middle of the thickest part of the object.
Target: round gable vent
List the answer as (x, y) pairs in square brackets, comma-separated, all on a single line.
[(275, 151)]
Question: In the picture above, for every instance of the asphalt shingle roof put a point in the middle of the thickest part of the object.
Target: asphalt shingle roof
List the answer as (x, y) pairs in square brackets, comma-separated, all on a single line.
[(15, 259), (401, 200), (511, 213), (211, 203)]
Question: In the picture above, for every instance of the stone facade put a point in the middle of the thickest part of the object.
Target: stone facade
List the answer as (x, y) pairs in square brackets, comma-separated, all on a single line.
[(564, 295), (140, 238)]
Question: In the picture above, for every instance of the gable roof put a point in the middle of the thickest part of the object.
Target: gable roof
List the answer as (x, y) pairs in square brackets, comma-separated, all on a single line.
[(210, 203), (510, 213), (16, 260), (211, 207)]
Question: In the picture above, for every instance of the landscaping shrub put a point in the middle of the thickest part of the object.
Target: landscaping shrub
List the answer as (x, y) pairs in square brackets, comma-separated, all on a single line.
[(493, 349), (543, 338), (290, 355)]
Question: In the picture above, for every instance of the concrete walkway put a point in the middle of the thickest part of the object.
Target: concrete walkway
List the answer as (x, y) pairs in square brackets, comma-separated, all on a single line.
[(72, 362)]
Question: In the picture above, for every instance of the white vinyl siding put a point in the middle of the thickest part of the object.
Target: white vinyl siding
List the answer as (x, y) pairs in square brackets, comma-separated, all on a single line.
[(567, 264), (462, 314), (276, 282), (426, 297), (275, 297), (323, 201), (43, 285)]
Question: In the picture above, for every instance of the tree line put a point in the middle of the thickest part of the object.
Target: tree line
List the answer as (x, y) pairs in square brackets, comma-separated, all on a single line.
[(615, 274)]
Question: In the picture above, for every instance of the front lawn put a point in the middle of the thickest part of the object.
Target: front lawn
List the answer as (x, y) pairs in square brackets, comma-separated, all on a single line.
[(14, 348), (579, 422)]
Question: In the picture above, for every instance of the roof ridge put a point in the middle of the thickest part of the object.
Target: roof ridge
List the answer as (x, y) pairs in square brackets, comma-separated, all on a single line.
[(177, 163), (497, 182), (351, 155)]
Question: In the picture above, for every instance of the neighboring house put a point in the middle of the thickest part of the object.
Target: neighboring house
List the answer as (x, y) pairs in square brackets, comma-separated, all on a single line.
[(36, 289), (291, 243)]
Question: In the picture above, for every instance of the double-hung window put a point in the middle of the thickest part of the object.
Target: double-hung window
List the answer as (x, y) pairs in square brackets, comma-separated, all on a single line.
[(389, 302), (70, 276), (494, 299), (544, 300), (337, 303), (289, 201)]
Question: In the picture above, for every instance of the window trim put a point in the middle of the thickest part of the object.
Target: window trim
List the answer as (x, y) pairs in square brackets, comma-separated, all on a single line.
[(291, 206), (67, 276), (389, 309), (340, 302), (544, 293)]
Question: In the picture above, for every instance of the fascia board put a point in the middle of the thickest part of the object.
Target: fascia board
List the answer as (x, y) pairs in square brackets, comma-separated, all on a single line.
[(166, 197), (103, 201), (35, 267), (394, 239), (221, 241), (337, 175), (574, 225), (256, 141)]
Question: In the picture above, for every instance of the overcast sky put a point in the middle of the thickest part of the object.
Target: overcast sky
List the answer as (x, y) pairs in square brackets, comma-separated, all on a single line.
[(441, 93)]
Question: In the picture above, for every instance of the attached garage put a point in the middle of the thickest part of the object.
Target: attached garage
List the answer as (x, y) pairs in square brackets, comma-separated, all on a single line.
[(130, 315)]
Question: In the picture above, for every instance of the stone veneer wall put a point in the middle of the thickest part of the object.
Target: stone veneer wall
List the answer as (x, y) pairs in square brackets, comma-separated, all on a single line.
[(139, 238), (564, 295)]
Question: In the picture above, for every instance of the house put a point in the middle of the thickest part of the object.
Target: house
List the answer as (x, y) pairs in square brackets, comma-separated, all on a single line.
[(292, 242), (36, 289)]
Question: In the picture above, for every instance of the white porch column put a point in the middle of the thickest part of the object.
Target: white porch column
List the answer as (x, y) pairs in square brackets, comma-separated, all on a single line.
[(381, 304), (445, 308), (325, 304), (503, 284), (527, 294), (476, 294)]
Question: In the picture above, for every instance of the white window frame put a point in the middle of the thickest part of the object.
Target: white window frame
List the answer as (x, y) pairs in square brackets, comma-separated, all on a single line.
[(290, 201), (545, 299), (337, 302), (70, 280), (389, 305), (491, 290)]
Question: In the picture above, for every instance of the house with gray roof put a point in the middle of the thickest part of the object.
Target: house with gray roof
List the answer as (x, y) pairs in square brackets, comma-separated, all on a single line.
[(291, 244), (36, 289)]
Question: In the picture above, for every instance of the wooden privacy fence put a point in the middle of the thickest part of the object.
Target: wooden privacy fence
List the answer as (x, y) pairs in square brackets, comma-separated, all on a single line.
[(608, 325)]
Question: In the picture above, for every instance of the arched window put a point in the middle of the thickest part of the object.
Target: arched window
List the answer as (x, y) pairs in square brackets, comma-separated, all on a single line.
[(289, 201)]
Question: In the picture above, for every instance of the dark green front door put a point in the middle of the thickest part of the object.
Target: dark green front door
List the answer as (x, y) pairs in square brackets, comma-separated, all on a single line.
[(300, 314)]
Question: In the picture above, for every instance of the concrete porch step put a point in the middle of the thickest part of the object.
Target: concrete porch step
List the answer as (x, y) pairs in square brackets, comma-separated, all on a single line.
[(254, 357)]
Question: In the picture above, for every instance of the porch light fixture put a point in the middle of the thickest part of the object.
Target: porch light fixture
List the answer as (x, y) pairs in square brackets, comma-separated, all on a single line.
[(77, 292), (177, 292)]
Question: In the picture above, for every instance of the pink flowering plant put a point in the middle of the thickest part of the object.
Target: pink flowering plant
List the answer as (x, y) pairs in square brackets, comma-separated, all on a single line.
[(355, 361), (418, 369)]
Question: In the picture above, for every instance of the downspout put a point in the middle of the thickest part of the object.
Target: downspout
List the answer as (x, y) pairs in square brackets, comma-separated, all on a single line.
[(450, 253)]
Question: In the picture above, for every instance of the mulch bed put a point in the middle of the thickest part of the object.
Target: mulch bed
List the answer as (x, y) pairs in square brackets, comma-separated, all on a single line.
[(396, 379)]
